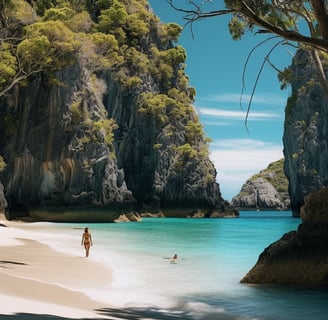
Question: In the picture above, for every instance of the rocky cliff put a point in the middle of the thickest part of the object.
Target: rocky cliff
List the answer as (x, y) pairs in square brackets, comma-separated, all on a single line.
[(300, 257), (107, 135), (265, 190), (305, 132)]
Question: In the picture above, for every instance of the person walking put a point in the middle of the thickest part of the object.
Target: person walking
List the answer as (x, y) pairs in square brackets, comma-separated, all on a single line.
[(87, 241)]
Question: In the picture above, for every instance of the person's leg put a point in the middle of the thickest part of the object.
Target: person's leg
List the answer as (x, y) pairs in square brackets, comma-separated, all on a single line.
[(87, 248)]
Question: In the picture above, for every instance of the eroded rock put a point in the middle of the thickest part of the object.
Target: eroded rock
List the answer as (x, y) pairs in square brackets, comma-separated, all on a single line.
[(299, 257)]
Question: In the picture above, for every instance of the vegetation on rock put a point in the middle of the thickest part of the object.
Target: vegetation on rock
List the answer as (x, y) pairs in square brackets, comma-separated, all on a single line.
[(2, 164), (267, 189), (102, 86), (274, 174), (102, 34)]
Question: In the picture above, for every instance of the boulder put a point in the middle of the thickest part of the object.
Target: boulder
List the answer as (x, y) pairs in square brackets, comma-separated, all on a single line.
[(258, 193), (265, 190), (299, 257)]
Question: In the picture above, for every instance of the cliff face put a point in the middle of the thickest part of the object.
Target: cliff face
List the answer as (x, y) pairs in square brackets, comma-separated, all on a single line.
[(305, 133), (301, 257), (48, 162), (113, 139), (265, 190)]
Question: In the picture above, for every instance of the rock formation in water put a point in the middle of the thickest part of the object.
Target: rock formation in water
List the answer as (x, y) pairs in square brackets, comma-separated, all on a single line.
[(299, 257), (305, 132), (265, 190), (111, 129)]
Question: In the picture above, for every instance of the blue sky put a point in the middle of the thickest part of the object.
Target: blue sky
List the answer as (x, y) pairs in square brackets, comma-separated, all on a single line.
[(215, 66)]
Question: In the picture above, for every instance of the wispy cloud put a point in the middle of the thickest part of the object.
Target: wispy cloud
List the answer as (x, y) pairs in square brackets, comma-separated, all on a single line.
[(241, 144), (263, 98), (236, 115), (216, 122), (236, 160)]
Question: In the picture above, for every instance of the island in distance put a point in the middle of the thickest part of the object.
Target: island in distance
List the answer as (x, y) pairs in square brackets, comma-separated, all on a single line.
[(266, 190)]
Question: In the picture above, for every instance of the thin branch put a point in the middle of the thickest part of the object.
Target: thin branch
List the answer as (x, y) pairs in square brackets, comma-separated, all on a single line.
[(17, 80), (245, 66), (273, 66), (321, 72), (10, 38), (198, 14), (257, 79)]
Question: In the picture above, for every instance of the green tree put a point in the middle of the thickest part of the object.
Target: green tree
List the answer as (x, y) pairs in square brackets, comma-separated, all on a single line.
[(47, 46), (99, 51), (137, 27), (173, 31), (62, 14), (113, 19), (154, 105), (42, 5), (8, 64), (106, 128), (194, 132)]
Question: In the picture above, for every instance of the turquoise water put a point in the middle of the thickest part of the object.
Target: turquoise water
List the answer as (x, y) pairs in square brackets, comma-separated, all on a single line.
[(214, 254)]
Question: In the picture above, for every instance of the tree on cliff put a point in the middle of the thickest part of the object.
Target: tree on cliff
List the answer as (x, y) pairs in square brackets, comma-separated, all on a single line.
[(294, 21), (28, 47)]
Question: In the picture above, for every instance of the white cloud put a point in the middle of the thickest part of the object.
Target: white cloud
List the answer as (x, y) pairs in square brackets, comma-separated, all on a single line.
[(216, 123), (241, 144), (236, 115), (236, 160), (264, 98)]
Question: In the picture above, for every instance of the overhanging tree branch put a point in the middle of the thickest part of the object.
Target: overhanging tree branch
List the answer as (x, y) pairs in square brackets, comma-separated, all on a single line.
[(292, 35), (18, 78), (272, 17), (287, 34)]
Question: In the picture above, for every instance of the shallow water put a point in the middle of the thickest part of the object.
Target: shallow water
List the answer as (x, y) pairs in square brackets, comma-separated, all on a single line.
[(213, 255)]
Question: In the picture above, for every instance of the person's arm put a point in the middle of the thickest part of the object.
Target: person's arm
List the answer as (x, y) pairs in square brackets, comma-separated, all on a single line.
[(91, 240), (82, 239)]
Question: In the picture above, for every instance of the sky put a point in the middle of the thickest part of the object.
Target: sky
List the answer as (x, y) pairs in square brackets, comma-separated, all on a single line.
[(215, 65)]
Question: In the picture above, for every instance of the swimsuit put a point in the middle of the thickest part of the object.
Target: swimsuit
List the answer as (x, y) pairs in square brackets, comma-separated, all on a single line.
[(86, 238)]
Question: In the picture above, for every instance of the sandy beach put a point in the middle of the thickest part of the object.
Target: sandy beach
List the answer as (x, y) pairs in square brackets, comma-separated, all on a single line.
[(37, 280)]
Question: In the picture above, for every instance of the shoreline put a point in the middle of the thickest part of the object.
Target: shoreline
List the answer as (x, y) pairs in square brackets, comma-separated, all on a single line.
[(37, 279)]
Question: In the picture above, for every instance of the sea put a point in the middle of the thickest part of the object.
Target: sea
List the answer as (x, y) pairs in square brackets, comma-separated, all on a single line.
[(204, 282)]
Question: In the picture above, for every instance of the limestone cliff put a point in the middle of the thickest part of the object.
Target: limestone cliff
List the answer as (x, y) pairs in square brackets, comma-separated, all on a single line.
[(265, 190), (305, 133), (110, 133), (301, 257)]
